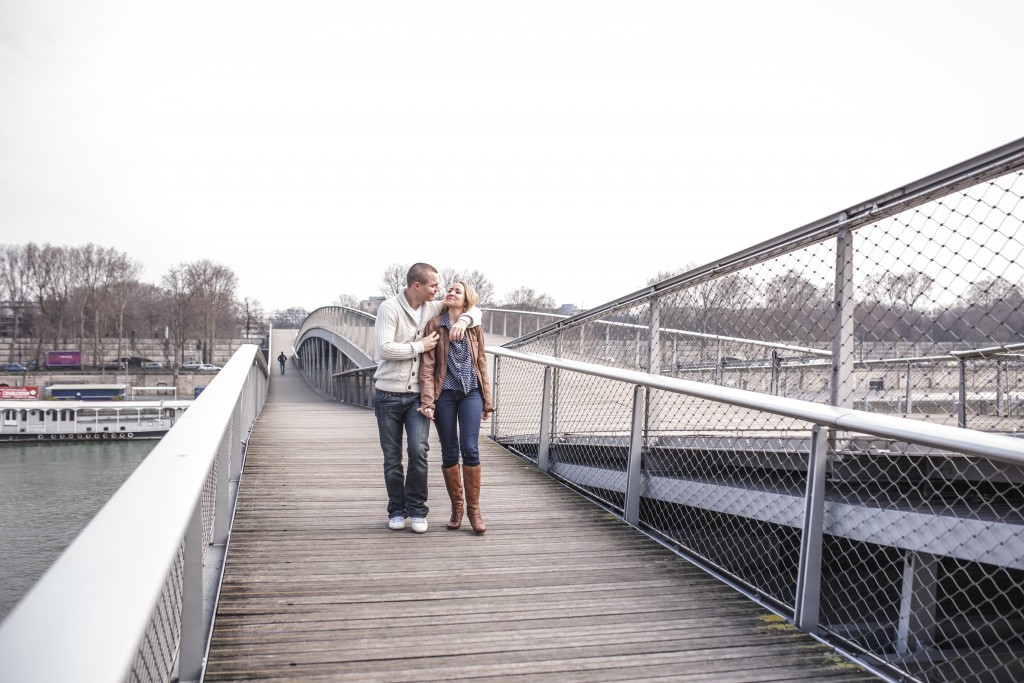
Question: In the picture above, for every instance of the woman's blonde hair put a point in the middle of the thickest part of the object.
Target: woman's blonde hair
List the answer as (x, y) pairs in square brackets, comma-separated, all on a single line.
[(469, 293)]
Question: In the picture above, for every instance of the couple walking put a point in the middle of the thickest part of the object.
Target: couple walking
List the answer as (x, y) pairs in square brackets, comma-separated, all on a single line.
[(431, 367)]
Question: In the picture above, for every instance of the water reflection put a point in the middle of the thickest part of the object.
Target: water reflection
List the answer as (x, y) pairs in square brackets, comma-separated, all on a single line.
[(48, 493)]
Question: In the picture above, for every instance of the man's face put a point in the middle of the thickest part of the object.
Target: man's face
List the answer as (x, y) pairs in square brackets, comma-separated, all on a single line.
[(428, 291)]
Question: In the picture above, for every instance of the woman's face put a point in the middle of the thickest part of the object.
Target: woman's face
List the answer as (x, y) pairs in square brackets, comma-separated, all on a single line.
[(456, 296)]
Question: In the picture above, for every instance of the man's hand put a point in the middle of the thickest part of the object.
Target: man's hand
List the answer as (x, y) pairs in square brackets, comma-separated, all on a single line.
[(459, 330), (430, 341)]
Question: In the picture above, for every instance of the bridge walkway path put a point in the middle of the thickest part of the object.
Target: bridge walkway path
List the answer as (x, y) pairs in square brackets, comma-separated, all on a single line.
[(317, 587)]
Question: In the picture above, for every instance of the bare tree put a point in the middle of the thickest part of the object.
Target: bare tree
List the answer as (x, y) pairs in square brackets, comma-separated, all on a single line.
[(346, 300), (214, 288), (14, 281), (995, 290), (288, 319), (485, 289), (251, 316), (180, 299), (122, 274), (393, 280), (899, 291), (526, 299), (49, 269)]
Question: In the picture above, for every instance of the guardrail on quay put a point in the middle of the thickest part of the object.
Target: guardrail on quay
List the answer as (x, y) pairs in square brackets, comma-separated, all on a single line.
[(133, 597)]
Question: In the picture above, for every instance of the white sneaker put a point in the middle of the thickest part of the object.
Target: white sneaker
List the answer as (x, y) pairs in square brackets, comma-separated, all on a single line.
[(397, 522), (419, 525)]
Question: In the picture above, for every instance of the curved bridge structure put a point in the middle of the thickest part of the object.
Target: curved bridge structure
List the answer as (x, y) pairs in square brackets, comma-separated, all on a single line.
[(334, 350), (828, 422)]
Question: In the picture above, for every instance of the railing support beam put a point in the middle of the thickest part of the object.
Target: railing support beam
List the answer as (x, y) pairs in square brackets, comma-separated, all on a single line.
[(808, 585), (634, 471), (193, 641), (544, 444)]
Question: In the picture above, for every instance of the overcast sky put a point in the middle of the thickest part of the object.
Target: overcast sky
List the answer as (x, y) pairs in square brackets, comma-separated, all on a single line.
[(577, 148)]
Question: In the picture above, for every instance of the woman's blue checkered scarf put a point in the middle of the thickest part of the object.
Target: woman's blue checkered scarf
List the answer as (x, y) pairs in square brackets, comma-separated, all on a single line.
[(460, 375)]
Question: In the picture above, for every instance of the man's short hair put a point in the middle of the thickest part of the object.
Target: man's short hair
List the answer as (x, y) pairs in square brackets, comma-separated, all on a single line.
[(418, 273)]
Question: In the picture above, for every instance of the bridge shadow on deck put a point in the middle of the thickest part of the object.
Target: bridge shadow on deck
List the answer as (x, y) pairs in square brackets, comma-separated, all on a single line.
[(318, 588)]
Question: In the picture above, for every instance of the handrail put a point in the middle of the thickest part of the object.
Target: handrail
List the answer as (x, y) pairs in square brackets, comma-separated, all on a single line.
[(88, 616), (984, 444), (315, 316)]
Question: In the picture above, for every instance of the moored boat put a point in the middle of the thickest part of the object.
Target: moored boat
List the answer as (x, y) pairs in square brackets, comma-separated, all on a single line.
[(22, 420)]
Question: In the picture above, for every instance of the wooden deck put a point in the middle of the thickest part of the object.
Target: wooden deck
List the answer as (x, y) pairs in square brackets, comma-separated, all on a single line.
[(318, 588)]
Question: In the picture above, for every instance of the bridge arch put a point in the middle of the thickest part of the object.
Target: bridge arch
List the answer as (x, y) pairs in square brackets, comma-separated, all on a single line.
[(333, 343)]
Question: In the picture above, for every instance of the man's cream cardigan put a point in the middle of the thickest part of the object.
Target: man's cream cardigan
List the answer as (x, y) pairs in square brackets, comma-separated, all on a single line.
[(398, 335)]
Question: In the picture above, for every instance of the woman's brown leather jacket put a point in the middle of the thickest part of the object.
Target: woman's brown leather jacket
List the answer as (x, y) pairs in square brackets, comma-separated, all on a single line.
[(434, 365)]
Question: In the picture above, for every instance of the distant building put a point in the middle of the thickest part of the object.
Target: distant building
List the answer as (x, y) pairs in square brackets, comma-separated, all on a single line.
[(372, 304), (568, 309)]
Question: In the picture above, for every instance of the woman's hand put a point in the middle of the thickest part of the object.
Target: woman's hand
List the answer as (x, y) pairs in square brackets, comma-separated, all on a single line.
[(486, 415), (428, 413)]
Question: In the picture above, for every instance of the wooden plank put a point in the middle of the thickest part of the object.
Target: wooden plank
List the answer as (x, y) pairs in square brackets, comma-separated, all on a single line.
[(318, 588)]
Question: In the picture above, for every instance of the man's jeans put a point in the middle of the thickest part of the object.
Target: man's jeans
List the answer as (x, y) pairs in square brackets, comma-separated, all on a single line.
[(407, 492), (457, 418)]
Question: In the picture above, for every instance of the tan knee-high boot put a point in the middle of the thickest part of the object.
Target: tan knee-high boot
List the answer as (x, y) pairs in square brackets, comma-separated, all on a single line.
[(471, 475), (453, 482)]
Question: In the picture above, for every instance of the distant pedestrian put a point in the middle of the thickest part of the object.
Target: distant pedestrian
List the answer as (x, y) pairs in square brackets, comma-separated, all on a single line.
[(455, 392), (282, 359), (399, 340)]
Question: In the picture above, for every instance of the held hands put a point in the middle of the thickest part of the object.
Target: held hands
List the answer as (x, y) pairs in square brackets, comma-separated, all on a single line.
[(459, 330), (427, 413), (430, 341)]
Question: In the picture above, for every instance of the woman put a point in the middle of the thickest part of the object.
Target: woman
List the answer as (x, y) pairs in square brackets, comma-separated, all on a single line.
[(455, 392)]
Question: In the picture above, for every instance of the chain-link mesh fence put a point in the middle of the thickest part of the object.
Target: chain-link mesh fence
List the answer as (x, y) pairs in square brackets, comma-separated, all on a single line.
[(909, 306)]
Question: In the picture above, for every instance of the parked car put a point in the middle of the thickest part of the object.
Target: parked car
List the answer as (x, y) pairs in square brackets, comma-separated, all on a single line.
[(206, 367), (153, 365), (191, 365), (15, 367)]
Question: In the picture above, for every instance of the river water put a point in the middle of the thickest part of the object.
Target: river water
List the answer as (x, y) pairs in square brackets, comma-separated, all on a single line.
[(48, 493)]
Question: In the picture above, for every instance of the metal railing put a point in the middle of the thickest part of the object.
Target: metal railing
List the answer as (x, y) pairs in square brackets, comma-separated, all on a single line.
[(898, 539), (512, 323), (908, 307), (126, 600)]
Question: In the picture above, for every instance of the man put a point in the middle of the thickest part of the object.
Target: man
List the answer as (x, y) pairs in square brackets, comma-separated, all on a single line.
[(282, 359), (399, 340)]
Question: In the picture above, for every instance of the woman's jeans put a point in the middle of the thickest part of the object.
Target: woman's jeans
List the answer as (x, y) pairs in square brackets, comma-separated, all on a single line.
[(407, 492), (457, 418)]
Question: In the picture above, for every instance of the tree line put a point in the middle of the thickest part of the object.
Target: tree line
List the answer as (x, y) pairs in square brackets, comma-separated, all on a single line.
[(74, 296), (521, 298), (889, 306)]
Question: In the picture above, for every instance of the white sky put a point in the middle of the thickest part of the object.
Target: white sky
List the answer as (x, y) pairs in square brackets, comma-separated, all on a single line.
[(574, 147)]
